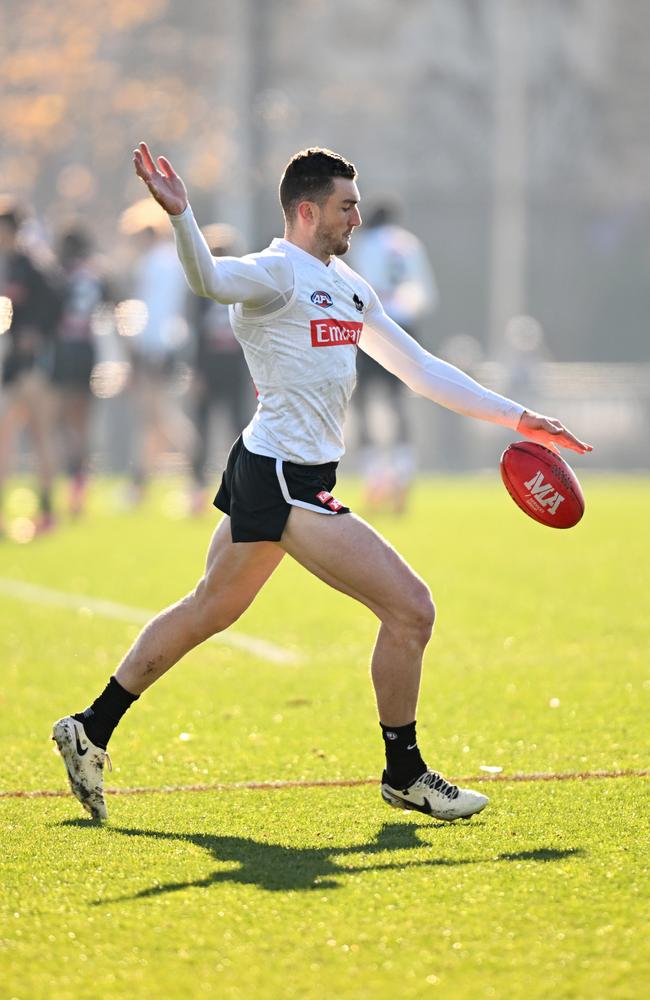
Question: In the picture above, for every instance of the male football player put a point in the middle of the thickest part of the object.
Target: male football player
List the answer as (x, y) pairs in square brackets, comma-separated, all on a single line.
[(300, 314)]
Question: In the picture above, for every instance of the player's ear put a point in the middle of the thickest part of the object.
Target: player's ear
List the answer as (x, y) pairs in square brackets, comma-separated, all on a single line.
[(306, 212)]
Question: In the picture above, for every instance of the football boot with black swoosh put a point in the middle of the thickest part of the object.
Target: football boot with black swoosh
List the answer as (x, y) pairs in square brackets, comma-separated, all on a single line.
[(434, 795), (84, 763)]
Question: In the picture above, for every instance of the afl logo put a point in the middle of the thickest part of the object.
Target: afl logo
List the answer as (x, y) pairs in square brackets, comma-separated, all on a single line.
[(322, 299)]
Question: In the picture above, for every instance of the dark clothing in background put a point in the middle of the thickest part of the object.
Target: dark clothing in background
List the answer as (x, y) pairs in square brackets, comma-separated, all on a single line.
[(83, 290), (220, 376), (36, 310)]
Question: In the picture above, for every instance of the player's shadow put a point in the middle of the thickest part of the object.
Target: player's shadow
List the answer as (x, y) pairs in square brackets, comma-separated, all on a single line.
[(280, 868)]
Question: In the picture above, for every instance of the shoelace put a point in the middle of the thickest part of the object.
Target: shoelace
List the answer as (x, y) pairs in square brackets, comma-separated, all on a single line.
[(436, 781)]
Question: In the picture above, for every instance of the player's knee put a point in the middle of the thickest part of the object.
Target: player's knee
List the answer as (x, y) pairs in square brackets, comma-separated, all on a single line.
[(424, 614), (414, 619)]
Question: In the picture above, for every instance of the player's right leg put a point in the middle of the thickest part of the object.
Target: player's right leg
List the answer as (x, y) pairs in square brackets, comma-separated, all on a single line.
[(349, 555), (234, 574)]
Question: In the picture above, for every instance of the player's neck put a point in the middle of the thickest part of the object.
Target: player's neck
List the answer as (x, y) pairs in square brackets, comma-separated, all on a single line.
[(304, 242)]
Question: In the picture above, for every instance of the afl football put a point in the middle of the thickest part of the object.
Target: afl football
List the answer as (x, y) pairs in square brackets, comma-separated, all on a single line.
[(542, 484)]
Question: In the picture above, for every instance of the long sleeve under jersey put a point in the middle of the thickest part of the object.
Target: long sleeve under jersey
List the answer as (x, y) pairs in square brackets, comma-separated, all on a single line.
[(299, 322), (385, 341)]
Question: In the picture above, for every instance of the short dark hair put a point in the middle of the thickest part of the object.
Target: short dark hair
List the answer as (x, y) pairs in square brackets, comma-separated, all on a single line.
[(75, 242), (309, 176), (383, 211), (12, 212)]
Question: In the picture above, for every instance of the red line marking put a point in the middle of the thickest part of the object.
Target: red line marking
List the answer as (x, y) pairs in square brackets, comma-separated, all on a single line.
[(324, 783)]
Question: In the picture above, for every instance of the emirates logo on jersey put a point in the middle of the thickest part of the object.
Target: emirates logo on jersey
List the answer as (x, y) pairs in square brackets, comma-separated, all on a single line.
[(334, 332), (322, 299)]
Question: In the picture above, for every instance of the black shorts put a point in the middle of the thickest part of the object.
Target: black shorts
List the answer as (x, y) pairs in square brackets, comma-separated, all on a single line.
[(259, 492), (15, 364), (73, 364)]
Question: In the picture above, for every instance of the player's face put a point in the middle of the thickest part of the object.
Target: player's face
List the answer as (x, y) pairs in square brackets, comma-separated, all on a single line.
[(338, 216)]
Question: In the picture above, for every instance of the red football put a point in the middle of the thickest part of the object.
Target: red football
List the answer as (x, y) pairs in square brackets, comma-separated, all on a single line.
[(542, 484)]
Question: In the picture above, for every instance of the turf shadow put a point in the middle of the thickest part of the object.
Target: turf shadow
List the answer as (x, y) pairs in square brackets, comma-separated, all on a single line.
[(281, 868), (542, 854)]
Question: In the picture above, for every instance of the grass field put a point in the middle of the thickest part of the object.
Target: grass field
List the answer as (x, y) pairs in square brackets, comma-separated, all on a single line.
[(540, 664)]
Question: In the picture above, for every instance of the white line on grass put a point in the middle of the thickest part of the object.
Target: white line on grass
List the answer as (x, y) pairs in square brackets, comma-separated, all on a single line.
[(34, 594)]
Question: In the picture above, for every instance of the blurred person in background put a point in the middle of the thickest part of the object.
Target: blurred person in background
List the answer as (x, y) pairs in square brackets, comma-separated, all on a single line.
[(83, 290), (394, 261), (159, 285), (523, 352), (33, 307), (220, 379)]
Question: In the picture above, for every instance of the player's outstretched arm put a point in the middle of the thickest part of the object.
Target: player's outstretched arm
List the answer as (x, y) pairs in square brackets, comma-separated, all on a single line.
[(227, 279), (549, 432), (162, 180), (445, 384)]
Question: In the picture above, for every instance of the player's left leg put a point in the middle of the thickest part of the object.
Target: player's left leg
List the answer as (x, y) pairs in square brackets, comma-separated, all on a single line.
[(352, 557), (234, 574)]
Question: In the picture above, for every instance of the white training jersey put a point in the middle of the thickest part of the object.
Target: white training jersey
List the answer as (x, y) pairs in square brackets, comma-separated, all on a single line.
[(159, 284), (302, 358), (299, 322)]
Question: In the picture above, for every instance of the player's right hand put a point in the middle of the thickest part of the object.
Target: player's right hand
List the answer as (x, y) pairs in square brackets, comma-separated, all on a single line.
[(550, 432), (162, 180)]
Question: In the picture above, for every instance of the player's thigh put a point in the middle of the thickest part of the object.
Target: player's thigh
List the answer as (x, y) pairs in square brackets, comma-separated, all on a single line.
[(235, 572), (345, 552)]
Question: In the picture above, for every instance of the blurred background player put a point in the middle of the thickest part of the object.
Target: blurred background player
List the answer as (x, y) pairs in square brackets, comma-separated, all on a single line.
[(221, 383), (394, 261), (32, 308), (159, 288), (522, 355), (83, 289)]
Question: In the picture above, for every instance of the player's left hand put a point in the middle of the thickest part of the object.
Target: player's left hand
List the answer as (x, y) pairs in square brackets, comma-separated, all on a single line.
[(163, 182), (550, 432)]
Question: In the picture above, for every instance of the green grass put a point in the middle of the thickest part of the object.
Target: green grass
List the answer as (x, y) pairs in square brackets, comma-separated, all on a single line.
[(540, 663)]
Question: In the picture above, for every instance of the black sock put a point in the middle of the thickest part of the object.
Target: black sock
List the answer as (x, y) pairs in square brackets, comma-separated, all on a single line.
[(101, 718), (403, 759)]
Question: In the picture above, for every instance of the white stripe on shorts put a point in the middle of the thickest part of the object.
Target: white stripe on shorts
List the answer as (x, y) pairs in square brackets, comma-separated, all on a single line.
[(279, 471)]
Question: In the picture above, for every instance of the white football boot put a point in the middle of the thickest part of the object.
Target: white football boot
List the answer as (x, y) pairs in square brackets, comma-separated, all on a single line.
[(431, 794), (84, 763)]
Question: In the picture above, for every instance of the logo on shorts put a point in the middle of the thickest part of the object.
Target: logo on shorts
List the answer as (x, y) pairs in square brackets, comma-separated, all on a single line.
[(322, 299), (332, 332), (328, 500)]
